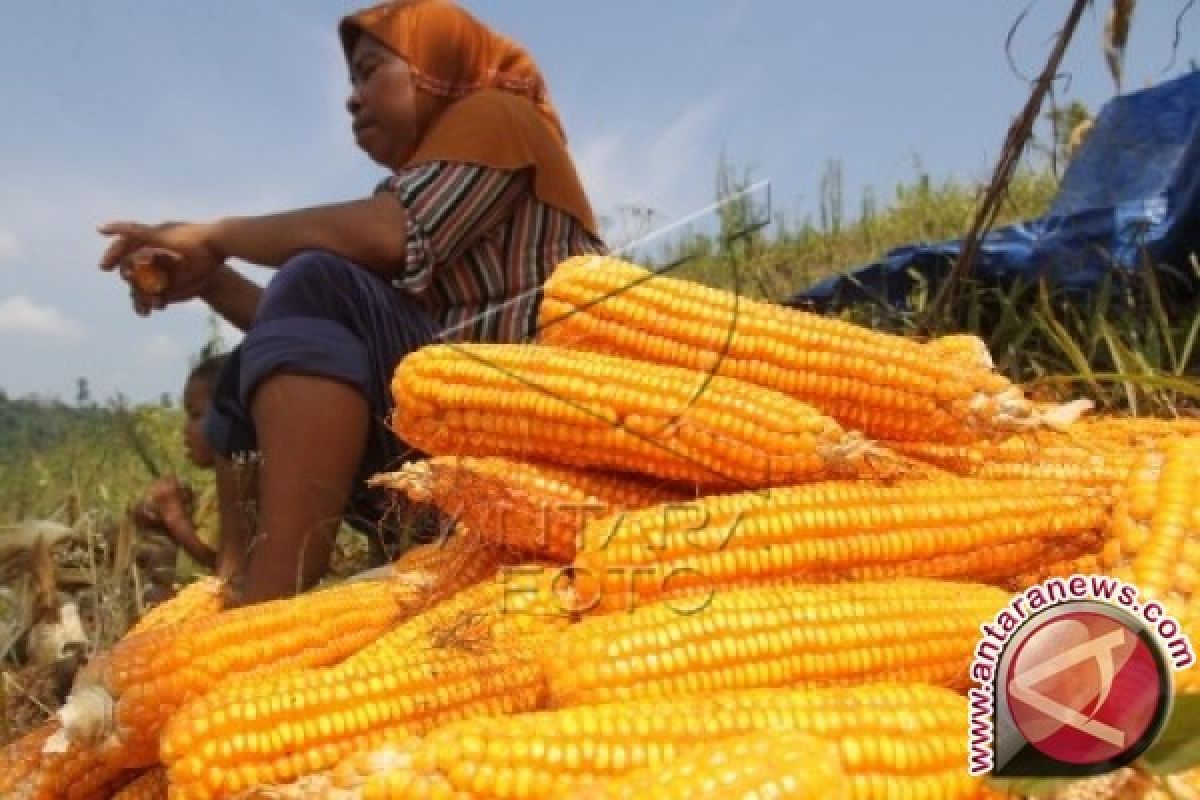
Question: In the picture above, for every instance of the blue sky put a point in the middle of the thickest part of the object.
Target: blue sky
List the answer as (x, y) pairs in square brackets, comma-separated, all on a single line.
[(175, 109)]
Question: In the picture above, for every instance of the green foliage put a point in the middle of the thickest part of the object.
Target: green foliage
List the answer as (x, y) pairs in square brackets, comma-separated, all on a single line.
[(1129, 346), (1178, 746), (1066, 123), (799, 254), (28, 422), (97, 458), (1031, 788)]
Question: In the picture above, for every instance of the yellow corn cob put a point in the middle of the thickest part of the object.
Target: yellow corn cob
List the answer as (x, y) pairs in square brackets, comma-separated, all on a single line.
[(1040, 557), (968, 459), (519, 602), (404, 784), (555, 480), (148, 677), (966, 347), (513, 611), (1188, 615), (201, 599), (884, 385), (551, 404), (1060, 566), (1135, 431), (519, 609), (915, 736), (198, 600), (1129, 526), (777, 764), (845, 634), (20, 758), (1142, 786), (475, 601), (280, 727), (442, 568), (349, 777), (1166, 565), (1066, 557), (1106, 471), (961, 528), (344, 782), (537, 509), (471, 654), (1032, 456), (150, 785), (79, 773)]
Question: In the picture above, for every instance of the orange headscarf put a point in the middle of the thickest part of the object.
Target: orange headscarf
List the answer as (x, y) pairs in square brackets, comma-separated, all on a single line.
[(472, 82)]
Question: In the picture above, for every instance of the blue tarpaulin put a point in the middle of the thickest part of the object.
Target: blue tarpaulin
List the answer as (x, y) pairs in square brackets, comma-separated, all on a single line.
[(1130, 197)]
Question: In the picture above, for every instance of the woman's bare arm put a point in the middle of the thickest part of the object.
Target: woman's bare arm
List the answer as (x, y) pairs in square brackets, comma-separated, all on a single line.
[(370, 232), (233, 296)]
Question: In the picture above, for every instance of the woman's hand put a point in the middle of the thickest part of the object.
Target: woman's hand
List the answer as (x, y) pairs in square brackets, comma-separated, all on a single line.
[(187, 252)]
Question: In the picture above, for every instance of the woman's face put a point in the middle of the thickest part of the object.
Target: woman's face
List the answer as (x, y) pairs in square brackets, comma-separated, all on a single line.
[(382, 103), (196, 396)]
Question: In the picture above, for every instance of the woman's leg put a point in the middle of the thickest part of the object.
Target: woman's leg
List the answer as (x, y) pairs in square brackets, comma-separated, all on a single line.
[(313, 397), (312, 433)]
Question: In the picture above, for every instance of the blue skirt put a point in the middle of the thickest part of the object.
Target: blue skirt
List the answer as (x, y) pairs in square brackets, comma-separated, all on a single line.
[(322, 315)]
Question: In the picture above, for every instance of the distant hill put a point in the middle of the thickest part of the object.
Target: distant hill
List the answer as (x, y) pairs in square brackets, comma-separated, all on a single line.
[(38, 424)]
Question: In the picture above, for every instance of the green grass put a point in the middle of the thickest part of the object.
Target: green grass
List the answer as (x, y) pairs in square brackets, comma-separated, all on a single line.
[(798, 254), (98, 461)]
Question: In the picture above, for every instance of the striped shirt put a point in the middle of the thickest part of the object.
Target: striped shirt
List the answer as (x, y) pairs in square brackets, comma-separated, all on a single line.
[(480, 246)]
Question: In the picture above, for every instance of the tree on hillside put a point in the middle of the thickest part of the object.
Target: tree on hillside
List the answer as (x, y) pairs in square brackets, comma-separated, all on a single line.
[(83, 393)]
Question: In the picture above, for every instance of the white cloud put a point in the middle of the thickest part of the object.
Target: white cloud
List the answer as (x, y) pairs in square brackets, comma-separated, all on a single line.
[(9, 246), (597, 158), (53, 216), (20, 315), (668, 170), (160, 348)]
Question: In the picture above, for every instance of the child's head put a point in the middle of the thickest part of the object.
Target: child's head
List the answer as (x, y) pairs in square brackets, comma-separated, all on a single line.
[(197, 394)]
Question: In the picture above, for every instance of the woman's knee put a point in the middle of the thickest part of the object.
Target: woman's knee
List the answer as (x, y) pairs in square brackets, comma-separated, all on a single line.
[(307, 281), (320, 284)]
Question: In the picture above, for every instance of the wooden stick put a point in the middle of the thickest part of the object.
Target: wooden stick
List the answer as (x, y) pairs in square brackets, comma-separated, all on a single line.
[(1010, 156)]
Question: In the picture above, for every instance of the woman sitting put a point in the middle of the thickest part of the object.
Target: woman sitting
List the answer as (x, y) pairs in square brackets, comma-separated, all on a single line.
[(482, 201)]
